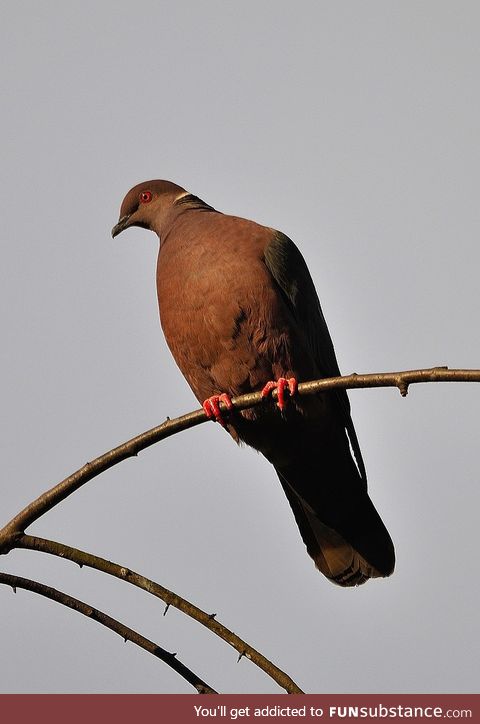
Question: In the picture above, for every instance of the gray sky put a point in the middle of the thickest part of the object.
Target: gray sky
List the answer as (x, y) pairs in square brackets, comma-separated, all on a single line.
[(353, 128)]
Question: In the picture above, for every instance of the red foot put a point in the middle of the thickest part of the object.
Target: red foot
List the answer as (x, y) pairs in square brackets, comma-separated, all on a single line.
[(212, 408), (280, 386)]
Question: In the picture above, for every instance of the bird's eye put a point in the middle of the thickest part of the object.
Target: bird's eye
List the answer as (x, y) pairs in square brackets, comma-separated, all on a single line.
[(145, 197)]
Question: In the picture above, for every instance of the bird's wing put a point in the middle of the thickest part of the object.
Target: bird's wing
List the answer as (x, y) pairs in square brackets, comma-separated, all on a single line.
[(290, 272)]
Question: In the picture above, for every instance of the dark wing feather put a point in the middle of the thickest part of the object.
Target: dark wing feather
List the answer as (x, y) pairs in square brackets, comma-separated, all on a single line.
[(290, 272)]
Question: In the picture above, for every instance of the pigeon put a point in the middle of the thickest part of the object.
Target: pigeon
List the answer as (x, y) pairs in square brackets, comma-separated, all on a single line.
[(240, 313)]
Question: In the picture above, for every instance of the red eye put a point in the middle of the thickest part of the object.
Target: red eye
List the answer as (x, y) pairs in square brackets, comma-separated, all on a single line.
[(145, 197)]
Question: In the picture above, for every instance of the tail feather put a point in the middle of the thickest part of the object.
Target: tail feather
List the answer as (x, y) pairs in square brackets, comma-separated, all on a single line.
[(353, 551), (326, 487), (332, 554)]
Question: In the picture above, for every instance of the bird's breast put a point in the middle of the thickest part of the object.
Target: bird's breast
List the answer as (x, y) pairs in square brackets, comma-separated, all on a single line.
[(221, 317)]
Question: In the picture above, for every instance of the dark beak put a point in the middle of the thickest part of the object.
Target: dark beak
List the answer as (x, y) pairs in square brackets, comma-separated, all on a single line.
[(122, 224)]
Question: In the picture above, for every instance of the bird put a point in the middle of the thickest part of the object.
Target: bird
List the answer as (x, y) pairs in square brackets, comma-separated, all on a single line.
[(240, 313)]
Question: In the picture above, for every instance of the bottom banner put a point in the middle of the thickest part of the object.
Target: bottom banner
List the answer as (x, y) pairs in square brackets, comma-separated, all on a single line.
[(223, 708)]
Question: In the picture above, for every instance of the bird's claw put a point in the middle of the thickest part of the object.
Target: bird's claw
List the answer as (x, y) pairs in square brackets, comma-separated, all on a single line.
[(281, 385), (212, 409)]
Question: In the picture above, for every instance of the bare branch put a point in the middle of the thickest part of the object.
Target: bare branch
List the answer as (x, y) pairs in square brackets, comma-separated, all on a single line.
[(59, 492), (125, 632), (171, 599), (12, 535), (402, 380)]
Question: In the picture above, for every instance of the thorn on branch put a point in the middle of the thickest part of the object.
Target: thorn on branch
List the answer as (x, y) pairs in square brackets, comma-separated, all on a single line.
[(212, 616), (240, 656), (166, 609), (14, 589), (403, 387)]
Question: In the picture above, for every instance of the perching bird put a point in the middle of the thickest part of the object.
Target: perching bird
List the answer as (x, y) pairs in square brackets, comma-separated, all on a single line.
[(240, 313)]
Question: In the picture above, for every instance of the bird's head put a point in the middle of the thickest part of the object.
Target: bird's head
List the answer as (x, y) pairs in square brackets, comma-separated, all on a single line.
[(147, 205)]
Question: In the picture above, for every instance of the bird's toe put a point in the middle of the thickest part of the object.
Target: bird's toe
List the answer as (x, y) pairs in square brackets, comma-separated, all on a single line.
[(211, 407), (281, 385)]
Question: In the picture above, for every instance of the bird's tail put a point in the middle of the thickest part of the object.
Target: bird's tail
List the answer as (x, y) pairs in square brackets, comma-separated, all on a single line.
[(338, 522)]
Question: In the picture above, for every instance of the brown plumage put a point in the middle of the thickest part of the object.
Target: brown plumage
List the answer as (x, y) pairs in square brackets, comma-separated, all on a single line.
[(238, 308)]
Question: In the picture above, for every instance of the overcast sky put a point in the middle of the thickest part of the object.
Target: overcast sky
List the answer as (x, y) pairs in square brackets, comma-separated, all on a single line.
[(353, 128)]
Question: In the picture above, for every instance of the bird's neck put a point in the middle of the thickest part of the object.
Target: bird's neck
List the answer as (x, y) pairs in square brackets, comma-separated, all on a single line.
[(182, 207), (189, 201)]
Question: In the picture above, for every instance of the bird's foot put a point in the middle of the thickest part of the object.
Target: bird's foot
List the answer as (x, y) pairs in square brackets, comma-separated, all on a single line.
[(281, 385), (212, 409)]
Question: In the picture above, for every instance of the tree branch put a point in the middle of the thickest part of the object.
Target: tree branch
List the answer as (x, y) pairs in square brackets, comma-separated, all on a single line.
[(12, 535), (125, 632), (132, 447), (171, 599)]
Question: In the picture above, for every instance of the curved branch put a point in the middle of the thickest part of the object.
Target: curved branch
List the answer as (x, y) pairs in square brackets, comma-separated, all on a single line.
[(12, 535), (125, 632), (171, 599), (132, 447)]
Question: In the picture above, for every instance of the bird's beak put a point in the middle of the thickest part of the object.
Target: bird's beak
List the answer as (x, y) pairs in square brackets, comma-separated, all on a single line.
[(122, 224)]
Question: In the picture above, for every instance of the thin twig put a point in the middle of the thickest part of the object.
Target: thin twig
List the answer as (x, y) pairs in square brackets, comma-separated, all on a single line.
[(125, 632), (171, 599), (12, 535), (52, 497)]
